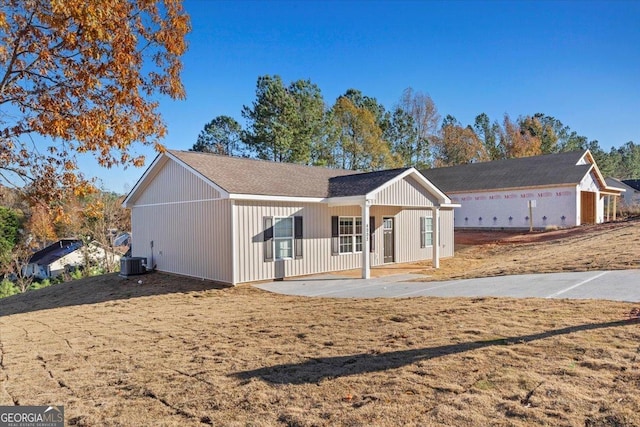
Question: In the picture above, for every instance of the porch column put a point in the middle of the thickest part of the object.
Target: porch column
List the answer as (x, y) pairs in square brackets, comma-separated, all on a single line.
[(615, 201), (436, 237), (366, 244)]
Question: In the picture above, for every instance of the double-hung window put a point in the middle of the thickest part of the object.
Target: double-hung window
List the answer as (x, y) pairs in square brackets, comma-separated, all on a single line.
[(350, 234), (426, 231), (283, 237)]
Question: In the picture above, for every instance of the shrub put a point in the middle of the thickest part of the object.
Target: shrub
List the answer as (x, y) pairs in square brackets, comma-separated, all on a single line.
[(39, 285), (8, 288)]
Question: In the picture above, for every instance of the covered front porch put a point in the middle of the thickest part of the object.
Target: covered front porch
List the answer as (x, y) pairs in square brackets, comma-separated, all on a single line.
[(399, 220)]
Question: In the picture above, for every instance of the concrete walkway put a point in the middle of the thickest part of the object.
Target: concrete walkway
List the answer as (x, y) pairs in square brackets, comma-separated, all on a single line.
[(618, 285)]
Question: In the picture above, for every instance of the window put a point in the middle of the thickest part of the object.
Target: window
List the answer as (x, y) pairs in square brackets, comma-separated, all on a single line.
[(283, 237), (426, 232), (350, 234)]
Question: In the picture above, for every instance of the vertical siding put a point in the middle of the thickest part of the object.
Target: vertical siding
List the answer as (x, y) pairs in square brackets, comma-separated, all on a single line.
[(317, 254), (381, 212), (193, 239), (446, 233), (173, 183), (405, 192), (407, 236)]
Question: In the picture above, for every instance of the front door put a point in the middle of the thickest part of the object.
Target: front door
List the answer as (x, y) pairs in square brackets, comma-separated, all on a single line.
[(388, 240), (587, 207)]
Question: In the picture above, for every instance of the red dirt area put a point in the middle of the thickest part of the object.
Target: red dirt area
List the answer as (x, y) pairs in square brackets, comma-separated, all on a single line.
[(480, 237)]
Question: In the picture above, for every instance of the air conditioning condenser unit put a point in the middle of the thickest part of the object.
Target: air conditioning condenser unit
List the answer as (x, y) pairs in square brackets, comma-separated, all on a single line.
[(130, 266)]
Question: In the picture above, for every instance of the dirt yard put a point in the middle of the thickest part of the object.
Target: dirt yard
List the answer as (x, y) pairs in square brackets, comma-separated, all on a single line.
[(179, 352), (611, 246)]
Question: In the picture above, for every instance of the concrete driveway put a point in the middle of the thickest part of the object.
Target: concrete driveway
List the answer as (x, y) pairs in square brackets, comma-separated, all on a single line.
[(618, 285)]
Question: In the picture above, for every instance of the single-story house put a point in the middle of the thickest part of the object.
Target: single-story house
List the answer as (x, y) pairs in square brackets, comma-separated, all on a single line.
[(564, 190), (631, 197), (65, 255), (236, 220)]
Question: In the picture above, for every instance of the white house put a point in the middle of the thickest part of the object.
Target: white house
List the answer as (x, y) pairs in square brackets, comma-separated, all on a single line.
[(236, 220), (631, 196), (565, 190), (65, 255)]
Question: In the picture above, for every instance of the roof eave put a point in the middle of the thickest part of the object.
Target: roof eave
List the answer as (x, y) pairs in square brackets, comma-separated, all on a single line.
[(276, 198), (442, 197), (157, 163), (346, 200), (223, 192), (126, 203)]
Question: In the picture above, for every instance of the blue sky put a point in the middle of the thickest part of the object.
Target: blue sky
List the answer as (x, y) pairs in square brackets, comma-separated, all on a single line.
[(578, 61)]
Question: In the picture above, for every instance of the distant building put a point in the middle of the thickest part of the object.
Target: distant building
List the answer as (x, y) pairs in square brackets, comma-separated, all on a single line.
[(65, 255), (563, 190), (632, 195)]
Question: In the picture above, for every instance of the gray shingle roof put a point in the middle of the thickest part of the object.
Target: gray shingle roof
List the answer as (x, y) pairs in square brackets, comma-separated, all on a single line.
[(259, 177), (55, 251), (633, 183), (550, 169), (362, 183)]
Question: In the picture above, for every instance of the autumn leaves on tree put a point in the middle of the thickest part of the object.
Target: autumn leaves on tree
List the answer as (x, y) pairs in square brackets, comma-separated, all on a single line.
[(79, 76)]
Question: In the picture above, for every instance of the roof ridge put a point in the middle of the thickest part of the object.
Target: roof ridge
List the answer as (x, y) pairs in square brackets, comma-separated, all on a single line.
[(262, 161), (515, 159)]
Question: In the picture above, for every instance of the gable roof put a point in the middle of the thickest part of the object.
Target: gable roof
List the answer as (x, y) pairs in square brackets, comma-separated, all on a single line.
[(55, 251), (237, 175), (243, 178), (616, 183), (361, 183), (545, 170), (633, 183)]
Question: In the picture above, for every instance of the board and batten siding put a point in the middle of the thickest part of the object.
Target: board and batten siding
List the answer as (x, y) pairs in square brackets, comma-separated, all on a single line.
[(405, 192), (174, 183), (189, 225), (447, 217), (192, 239), (317, 251), (407, 235)]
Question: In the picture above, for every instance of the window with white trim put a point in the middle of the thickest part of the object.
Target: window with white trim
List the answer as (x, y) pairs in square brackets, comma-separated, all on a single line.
[(350, 234), (283, 237), (426, 231)]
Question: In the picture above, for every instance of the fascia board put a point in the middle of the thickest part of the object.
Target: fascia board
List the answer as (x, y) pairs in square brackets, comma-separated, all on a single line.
[(153, 167), (156, 165), (262, 197), (596, 170), (533, 187), (345, 201), (443, 198), (224, 194)]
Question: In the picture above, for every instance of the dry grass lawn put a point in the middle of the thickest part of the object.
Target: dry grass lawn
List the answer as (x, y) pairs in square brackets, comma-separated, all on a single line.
[(179, 352)]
